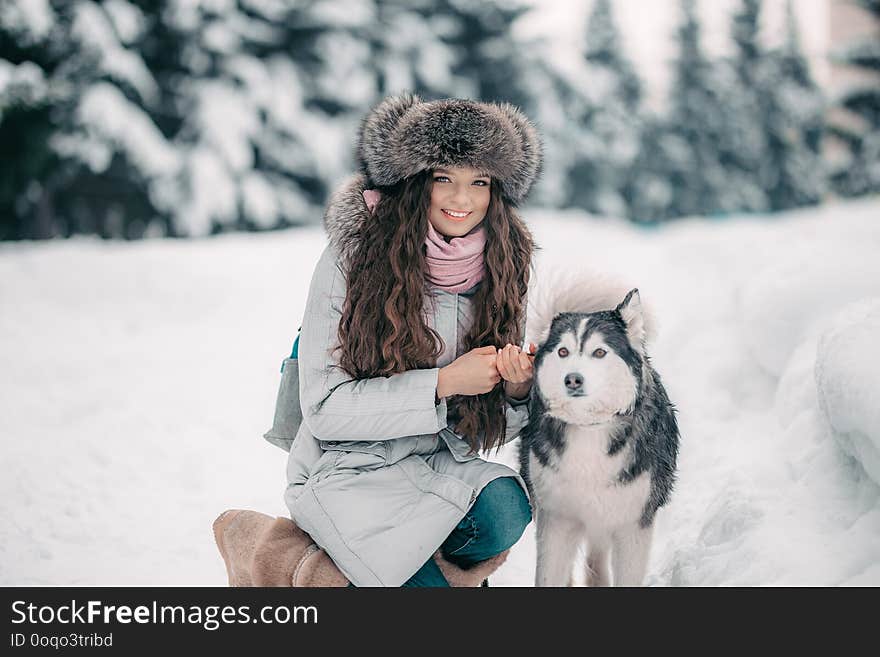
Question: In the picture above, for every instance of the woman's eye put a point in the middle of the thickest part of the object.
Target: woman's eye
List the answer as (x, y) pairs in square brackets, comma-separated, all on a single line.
[(481, 183), (563, 352), (440, 178), (599, 353)]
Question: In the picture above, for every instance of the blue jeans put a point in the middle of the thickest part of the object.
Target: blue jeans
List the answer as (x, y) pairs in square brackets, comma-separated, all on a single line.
[(495, 522)]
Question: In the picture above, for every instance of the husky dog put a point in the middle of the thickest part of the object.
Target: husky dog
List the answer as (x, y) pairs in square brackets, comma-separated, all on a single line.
[(599, 451)]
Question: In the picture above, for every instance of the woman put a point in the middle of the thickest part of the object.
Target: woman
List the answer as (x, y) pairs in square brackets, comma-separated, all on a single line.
[(408, 361)]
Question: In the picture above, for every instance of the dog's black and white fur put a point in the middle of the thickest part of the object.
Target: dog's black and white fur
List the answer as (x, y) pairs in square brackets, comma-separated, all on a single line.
[(599, 451)]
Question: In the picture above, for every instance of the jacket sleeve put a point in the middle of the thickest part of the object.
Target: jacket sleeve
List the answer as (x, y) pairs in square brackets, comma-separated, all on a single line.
[(517, 413), (337, 407)]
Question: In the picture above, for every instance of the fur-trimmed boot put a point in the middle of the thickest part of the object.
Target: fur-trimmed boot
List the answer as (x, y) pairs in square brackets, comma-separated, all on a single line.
[(476, 575), (260, 550)]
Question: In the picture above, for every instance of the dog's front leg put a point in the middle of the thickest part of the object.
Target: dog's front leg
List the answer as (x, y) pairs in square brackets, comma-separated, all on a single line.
[(629, 556), (598, 572), (556, 543)]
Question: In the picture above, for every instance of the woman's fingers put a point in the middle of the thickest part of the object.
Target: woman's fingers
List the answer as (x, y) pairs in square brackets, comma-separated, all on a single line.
[(513, 364), (503, 364)]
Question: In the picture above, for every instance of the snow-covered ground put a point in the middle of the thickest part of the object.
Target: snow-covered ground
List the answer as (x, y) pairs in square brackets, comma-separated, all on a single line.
[(138, 378)]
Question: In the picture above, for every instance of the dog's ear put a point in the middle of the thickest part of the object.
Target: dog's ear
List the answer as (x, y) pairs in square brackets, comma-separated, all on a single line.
[(630, 310)]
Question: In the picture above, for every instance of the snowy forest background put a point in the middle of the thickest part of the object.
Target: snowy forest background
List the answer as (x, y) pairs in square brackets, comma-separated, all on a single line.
[(134, 118)]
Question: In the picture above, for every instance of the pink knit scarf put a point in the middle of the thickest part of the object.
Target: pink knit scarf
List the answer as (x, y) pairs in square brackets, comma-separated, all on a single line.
[(456, 265), (453, 266)]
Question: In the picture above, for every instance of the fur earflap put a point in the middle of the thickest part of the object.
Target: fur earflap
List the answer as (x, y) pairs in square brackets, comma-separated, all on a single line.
[(345, 216), (561, 289), (403, 135)]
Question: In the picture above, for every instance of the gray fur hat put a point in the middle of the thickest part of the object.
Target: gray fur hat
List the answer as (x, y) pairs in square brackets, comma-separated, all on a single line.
[(404, 135)]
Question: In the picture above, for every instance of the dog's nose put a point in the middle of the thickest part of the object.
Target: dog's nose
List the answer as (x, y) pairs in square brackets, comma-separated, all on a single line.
[(574, 382)]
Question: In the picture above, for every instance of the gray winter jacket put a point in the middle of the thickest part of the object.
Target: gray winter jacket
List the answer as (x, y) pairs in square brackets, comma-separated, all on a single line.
[(374, 474)]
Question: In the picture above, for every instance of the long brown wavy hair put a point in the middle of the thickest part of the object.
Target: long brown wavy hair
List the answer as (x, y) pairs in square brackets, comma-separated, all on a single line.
[(384, 330)]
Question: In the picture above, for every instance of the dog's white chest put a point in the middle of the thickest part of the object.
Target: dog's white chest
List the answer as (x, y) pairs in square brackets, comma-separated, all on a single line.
[(583, 482)]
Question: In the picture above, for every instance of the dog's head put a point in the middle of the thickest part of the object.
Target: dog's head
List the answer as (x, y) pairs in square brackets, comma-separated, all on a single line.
[(590, 366)]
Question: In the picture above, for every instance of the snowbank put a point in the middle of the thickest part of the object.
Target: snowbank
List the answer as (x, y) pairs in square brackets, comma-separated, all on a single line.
[(792, 300), (848, 382)]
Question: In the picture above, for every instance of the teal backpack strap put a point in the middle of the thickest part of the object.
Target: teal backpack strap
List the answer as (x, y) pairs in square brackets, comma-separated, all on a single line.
[(294, 353)]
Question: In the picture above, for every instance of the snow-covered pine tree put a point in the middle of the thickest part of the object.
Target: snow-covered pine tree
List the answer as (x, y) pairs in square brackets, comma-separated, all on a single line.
[(659, 174), (606, 131), (793, 108), (341, 78), (180, 118), (407, 49), (26, 101), (448, 48), (695, 118), (485, 51), (548, 87), (104, 148), (861, 104), (256, 145), (553, 100), (743, 142)]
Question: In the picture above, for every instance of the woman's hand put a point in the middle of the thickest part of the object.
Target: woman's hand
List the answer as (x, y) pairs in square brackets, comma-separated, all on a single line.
[(472, 373), (516, 368)]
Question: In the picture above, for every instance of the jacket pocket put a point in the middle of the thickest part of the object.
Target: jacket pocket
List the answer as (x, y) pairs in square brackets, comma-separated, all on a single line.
[(461, 450), (288, 412), (447, 487)]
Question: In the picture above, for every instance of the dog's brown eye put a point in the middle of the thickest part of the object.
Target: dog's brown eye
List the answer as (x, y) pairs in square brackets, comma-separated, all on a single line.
[(563, 352), (599, 353)]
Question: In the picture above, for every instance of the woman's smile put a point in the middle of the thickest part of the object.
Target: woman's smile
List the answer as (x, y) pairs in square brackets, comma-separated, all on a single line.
[(456, 215)]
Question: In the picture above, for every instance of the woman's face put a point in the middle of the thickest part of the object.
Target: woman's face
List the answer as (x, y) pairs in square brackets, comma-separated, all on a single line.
[(459, 200)]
